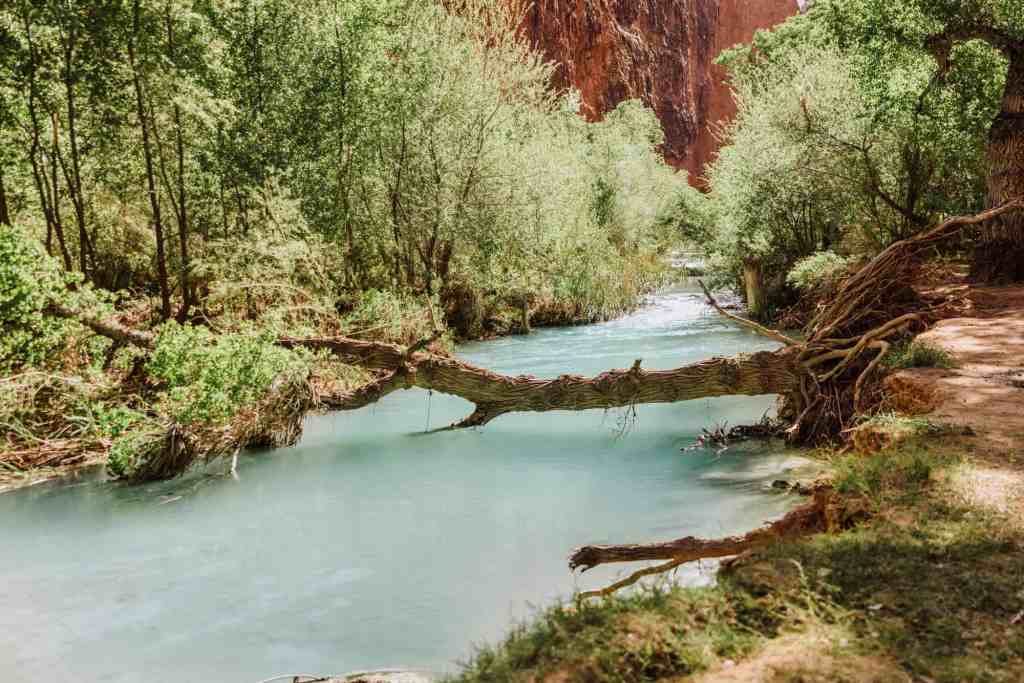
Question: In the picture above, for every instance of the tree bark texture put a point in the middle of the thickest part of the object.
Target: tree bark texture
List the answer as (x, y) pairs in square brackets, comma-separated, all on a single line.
[(752, 280), (999, 256), (494, 395), (5, 213), (154, 199)]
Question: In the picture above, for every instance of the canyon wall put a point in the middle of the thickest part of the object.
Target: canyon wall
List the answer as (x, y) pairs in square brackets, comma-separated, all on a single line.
[(660, 51)]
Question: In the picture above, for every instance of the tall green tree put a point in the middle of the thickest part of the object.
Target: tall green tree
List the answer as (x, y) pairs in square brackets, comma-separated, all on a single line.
[(939, 28)]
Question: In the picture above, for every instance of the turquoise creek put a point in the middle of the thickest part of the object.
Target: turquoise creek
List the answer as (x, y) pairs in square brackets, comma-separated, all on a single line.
[(372, 544)]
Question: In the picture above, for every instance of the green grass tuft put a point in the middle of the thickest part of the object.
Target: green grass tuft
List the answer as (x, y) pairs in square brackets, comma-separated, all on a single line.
[(919, 354), (900, 473), (651, 633)]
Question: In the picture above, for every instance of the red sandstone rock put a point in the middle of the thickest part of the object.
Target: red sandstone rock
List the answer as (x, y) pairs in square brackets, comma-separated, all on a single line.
[(660, 51)]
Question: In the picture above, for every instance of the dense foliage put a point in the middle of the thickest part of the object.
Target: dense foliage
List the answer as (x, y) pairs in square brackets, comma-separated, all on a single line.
[(28, 278), (852, 133), (226, 171), (178, 148)]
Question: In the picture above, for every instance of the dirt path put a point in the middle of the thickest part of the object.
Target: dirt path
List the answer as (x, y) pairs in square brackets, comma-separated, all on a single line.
[(811, 657), (986, 392)]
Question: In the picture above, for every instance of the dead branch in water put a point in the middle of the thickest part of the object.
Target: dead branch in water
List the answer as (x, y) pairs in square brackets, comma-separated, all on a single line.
[(806, 519), (750, 324)]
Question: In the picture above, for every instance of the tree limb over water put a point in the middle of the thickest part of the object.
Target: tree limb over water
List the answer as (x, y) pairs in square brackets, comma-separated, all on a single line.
[(805, 520), (494, 394)]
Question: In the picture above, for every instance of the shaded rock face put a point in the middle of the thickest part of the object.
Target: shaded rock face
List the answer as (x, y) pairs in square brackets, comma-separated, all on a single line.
[(660, 51)]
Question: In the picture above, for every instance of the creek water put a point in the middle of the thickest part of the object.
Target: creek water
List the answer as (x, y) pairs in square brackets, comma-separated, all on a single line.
[(372, 544)]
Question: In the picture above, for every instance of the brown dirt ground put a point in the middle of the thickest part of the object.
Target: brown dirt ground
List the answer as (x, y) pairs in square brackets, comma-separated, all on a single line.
[(986, 392), (813, 657)]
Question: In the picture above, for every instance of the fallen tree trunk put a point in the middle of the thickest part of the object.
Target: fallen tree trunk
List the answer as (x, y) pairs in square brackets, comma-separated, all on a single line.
[(494, 394), (824, 381)]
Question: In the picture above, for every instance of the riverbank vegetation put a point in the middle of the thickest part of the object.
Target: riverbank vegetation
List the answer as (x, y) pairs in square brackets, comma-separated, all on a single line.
[(215, 175), (860, 124), (925, 586)]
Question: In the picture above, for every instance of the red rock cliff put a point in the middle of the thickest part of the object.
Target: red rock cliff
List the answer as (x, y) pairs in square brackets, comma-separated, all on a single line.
[(660, 51)]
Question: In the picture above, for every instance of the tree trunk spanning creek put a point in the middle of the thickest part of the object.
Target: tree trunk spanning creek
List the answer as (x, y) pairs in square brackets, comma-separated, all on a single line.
[(377, 541)]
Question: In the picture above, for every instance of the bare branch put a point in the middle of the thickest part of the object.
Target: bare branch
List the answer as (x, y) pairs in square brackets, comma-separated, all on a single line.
[(750, 324), (804, 520)]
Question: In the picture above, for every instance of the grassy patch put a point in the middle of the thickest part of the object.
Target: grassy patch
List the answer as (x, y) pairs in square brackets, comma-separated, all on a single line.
[(891, 475), (927, 586), (928, 582), (918, 354), (653, 633), (936, 589)]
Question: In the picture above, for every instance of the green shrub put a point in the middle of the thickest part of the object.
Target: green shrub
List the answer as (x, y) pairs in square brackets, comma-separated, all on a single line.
[(817, 269), (393, 317), (919, 354), (129, 449), (649, 633), (29, 280), (113, 421), (209, 377)]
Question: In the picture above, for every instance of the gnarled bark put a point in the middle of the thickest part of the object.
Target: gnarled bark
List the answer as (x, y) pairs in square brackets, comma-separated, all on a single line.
[(999, 256), (495, 395)]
